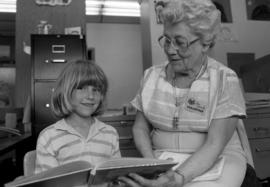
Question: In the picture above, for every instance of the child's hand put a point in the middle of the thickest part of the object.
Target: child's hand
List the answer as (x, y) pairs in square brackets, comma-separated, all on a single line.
[(101, 185), (20, 177), (117, 183), (96, 185), (135, 180)]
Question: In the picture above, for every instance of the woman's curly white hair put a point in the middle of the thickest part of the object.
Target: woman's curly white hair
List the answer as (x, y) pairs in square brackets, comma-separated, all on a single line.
[(201, 16)]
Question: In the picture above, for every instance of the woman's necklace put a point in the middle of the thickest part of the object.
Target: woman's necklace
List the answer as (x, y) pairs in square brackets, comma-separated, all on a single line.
[(178, 104), (180, 101)]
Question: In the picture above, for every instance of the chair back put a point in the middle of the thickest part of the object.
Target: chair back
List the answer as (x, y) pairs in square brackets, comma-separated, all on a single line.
[(29, 163)]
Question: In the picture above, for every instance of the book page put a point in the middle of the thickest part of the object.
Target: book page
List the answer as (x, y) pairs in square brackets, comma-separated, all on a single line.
[(212, 174), (131, 161)]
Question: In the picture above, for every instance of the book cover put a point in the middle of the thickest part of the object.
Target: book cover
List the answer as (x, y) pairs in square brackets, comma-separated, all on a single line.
[(112, 169), (68, 175), (81, 172)]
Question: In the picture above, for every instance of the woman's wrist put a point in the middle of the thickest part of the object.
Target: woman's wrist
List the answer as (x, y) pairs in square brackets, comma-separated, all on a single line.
[(180, 173), (148, 154)]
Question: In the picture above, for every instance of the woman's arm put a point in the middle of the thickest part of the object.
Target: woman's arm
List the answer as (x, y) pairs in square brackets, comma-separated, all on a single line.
[(219, 133), (116, 149), (141, 133)]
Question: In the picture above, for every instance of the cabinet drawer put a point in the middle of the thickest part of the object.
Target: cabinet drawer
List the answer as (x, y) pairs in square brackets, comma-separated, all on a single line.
[(128, 148), (257, 128), (42, 105), (261, 155), (52, 52), (132, 152), (124, 128), (126, 143), (123, 124)]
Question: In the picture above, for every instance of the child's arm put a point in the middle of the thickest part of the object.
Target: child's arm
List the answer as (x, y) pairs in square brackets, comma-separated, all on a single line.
[(45, 157)]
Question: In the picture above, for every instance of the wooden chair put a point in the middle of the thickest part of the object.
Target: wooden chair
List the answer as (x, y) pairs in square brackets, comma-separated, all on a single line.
[(251, 179), (29, 163)]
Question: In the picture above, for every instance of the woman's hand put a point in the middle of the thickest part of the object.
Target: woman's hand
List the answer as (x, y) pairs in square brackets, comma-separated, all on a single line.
[(165, 180), (179, 178)]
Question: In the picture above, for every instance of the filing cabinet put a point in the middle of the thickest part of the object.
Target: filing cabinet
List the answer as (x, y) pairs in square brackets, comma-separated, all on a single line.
[(49, 55), (258, 131), (123, 124)]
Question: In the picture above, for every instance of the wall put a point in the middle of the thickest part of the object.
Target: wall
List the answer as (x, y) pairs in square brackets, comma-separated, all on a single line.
[(118, 52), (148, 18), (146, 34), (252, 36)]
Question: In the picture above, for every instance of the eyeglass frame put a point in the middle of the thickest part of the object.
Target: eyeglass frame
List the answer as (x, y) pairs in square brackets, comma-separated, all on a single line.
[(175, 45)]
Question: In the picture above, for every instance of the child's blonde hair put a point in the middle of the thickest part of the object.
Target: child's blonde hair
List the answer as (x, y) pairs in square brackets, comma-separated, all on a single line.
[(78, 74)]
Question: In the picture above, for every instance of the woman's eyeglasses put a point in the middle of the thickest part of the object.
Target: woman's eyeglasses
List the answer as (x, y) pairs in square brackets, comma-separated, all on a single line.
[(178, 43)]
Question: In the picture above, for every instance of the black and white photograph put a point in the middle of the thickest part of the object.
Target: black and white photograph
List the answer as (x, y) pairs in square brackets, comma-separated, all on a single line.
[(134, 93)]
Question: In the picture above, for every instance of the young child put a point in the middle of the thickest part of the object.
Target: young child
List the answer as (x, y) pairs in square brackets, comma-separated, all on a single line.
[(78, 98)]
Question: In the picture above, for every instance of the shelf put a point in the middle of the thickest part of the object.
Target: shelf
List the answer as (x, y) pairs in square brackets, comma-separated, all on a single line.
[(5, 65)]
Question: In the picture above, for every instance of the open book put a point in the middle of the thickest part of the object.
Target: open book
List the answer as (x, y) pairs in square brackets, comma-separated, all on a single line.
[(212, 174), (81, 172)]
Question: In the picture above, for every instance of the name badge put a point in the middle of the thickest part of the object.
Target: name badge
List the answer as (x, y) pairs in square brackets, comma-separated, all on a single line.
[(193, 105)]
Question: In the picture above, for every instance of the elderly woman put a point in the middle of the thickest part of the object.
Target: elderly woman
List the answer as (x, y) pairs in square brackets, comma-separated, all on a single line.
[(191, 104)]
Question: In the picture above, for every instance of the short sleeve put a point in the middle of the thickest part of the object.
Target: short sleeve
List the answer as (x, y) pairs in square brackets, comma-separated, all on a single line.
[(45, 156), (137, 101), (230, 100)]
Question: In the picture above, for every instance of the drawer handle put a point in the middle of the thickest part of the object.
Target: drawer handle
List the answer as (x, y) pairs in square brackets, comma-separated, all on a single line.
[(123, 123), (261, 150), (260, 129), (126, 138), (59, 61), (55, 61)]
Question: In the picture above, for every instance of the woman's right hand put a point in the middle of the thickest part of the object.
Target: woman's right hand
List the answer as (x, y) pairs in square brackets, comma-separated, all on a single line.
[(165, 180)]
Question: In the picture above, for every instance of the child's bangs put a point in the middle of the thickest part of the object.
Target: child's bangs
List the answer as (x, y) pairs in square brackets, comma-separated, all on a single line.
[(90, 79)]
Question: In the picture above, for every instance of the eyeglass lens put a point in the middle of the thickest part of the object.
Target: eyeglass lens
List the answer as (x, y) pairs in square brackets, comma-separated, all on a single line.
[(178, 43)]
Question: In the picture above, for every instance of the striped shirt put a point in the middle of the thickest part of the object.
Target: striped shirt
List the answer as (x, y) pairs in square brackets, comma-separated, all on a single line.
[(59, 144), (156, 98)]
